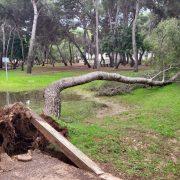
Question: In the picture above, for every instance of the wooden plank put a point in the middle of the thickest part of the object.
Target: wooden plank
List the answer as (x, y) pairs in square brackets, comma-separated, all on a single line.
[(73, 153)]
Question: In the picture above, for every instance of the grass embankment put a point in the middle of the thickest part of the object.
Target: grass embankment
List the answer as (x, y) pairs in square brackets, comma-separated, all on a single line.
[(139, 143)]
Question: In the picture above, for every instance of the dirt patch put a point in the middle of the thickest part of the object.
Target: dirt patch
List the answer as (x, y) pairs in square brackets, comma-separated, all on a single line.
[(109, 108), (80, 67), (70, 97), (42, 167)]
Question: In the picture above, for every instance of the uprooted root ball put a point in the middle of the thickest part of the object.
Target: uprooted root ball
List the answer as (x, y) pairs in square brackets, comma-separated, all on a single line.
[(18, 134)]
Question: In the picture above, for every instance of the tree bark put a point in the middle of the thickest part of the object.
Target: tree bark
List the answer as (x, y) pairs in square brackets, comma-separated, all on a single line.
[(140, 57), (70, 54), (119, 62), (1, 64), (8, 42), (111, 58), (135, 52), (12, 47), (52, 93), (132, 62), (32, 40), (96, 60), (22, 50), (53, 59), (85, 41), (4, 39), (4, 43)]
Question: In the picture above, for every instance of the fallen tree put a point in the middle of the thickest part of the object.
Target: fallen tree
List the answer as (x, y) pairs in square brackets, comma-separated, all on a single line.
[(52, 96), (21, 130)]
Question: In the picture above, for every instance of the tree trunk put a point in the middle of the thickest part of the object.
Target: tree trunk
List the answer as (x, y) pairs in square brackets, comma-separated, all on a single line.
[(8, 42), (45, 54), (124, 59), (102, 61), (1, 64), (116, 59), (117, 66), (132, 60), (4, 39), (22, 51), (32, 40), (79, 49), (134, 37), (4, 43), (85, 41), (140, 57), (12, 47), (60, 53), (70, 53), (120, 61), (111, 58), (96, 60), (127, 57), (52, 93), (53, 59), (125, 15)]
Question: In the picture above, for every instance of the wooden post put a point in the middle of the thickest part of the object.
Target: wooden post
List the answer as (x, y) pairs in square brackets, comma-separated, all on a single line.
[(73, 153)]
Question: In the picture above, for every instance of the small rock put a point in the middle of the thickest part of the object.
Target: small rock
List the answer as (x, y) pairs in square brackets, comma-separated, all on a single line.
[(24, 157)]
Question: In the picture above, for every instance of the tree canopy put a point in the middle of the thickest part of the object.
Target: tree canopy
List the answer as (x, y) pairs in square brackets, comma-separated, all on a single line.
[(72, 26)]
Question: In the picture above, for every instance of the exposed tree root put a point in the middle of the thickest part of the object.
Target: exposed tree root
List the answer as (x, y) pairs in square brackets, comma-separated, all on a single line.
[(17, 133)]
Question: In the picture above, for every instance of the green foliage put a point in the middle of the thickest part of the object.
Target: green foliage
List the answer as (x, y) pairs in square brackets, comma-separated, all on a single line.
[(17, 51), (107, 43), (121, 41), (165, 42)]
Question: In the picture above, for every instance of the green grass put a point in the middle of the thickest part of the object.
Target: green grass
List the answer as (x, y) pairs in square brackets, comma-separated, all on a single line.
[(141, 143), (158, 108), (20, 81), (138, 143)]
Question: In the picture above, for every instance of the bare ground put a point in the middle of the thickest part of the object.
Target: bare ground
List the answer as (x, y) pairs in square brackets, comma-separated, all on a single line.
[(110, 108), (80, 67), (42, 167)]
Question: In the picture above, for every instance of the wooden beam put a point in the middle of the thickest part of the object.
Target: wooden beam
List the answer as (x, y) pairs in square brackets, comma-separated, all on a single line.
[(73, 153)]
